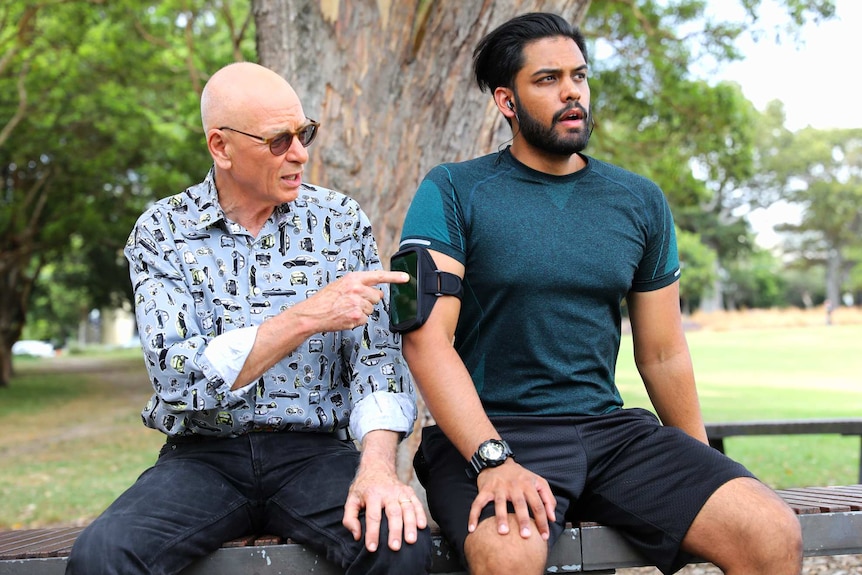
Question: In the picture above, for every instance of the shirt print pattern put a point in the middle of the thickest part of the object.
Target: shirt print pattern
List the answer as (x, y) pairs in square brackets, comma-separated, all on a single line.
[(197, 275)]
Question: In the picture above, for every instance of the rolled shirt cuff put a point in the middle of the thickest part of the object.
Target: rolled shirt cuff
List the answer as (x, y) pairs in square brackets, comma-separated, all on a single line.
[(227, 352), (383, 410)]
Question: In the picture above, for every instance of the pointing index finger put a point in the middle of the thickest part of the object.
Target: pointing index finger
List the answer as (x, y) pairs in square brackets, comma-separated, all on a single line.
[(371, 278)]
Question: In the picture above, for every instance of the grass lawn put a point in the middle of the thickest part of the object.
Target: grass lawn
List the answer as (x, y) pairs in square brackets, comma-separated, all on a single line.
[(71, 438), (776, 373)]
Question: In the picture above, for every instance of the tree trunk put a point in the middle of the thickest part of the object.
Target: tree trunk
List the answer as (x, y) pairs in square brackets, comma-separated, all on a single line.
[(15, 285), (713, 299), (5, 366), (391, 83), (834, 265)]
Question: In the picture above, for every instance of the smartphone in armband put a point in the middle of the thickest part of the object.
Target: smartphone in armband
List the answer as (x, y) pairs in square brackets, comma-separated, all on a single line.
[(411, 303)]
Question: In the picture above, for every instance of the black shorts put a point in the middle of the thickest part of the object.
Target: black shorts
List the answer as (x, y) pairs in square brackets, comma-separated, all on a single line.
[(623, 469)]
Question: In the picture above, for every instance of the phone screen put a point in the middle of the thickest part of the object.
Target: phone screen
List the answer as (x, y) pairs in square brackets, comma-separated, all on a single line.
[(403, 300)]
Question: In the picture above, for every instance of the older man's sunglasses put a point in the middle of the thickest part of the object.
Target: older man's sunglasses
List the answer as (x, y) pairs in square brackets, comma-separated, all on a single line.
[(280, 143)]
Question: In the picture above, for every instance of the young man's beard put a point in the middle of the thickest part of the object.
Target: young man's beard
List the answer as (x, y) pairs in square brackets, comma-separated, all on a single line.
[(547, 139)]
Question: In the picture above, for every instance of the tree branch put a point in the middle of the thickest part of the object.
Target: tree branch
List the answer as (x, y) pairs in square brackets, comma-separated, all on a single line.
[(189, 34), (21, 110)]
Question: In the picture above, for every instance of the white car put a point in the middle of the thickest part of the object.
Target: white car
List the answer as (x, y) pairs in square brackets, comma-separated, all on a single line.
[(33, 347)]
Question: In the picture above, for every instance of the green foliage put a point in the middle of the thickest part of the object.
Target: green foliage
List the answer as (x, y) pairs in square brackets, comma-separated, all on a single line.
[(108, 100), (755, 281), (61, 299), (700, 141), (804, 285), (697, 263)]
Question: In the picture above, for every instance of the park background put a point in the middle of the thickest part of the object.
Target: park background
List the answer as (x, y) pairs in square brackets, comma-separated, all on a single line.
[(99, 117)]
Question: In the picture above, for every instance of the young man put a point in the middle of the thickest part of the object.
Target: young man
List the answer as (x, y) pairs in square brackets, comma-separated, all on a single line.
[(265, 337), (531, 429)]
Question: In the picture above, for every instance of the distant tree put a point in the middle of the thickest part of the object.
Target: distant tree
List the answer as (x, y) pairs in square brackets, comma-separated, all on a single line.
[(804, 284), (755, 281), (99, 113), (821, 170), (853, 283), (697, 263), (59, 300)]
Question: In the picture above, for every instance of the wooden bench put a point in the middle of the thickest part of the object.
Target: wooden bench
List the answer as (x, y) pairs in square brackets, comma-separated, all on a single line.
[(831, 519), (717, 432)]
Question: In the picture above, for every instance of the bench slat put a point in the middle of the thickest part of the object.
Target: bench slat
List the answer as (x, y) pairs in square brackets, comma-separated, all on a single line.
[(823, 506), (241, 542), (848, 495), (826, 500), (38, 542), (804, 509), (831, 519)]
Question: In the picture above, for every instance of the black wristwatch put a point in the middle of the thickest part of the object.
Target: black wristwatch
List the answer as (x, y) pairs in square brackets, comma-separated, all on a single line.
[(491, 453)]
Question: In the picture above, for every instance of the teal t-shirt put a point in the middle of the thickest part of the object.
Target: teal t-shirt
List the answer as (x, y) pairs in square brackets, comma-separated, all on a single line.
[(548, 261)]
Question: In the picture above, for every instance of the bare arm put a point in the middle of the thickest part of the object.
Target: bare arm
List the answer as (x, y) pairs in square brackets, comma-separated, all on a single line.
[(451, 398), (443, 379), (663, 359)]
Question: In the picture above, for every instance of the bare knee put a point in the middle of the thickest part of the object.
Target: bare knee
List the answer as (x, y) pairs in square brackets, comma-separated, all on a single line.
[(745, 527), (489, 553), (779, 541), (775, 541)]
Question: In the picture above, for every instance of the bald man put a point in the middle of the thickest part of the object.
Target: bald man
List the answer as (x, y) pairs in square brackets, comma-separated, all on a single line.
[(260, 302)]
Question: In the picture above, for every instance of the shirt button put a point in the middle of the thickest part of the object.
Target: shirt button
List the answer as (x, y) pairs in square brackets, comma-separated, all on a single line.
[(257, 291)]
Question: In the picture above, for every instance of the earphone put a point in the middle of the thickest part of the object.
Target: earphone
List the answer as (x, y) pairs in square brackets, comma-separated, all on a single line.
[(510, 104)]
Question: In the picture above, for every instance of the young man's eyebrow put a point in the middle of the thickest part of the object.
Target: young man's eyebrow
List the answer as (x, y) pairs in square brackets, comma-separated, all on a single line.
[(555, 71)]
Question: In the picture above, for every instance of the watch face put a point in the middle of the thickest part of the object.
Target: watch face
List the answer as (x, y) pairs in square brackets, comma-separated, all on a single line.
[(491, 451)]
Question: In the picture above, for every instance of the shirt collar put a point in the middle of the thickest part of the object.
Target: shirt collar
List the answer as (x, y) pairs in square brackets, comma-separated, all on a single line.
[(204, 197)]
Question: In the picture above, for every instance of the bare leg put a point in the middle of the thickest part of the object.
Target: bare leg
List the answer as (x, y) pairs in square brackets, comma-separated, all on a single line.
[(489, 553), (746, 528)]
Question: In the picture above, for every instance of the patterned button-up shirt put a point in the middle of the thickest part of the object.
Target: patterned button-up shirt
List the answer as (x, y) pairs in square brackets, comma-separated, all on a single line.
[(203, 284)]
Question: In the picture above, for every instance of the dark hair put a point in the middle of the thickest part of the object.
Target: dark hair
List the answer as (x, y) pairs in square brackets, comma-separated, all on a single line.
[(500, 54)]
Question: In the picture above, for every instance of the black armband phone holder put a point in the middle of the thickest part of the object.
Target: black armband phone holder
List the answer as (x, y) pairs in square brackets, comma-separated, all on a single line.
[(411, 303)]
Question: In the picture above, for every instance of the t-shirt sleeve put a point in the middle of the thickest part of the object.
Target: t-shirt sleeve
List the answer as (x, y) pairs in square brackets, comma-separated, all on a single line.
[(435, 219), (660, 265)]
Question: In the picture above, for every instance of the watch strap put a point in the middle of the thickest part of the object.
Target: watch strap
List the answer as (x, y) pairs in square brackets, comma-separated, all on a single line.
[(478, 464)]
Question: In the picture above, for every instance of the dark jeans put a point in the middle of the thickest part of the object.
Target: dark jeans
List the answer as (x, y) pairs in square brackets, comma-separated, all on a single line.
[(203, 492)]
